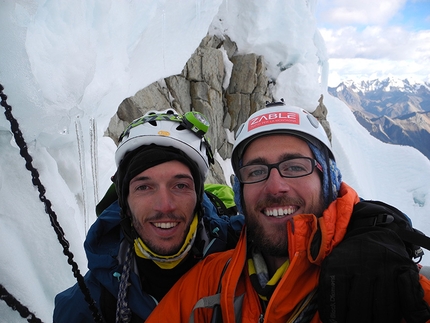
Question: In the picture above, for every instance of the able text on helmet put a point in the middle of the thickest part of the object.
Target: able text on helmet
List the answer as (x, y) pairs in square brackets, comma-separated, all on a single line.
[(273, 118)]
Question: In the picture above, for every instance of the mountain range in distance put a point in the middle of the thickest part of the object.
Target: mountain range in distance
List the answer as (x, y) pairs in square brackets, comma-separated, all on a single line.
[(394, 111)]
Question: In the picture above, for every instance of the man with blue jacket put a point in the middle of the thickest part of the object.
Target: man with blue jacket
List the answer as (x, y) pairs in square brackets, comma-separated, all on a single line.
[(161, 225)]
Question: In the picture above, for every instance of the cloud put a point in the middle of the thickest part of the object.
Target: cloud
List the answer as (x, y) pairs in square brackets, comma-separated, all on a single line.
[(370, 39), (375, 42), (364, 12), (360, 29)]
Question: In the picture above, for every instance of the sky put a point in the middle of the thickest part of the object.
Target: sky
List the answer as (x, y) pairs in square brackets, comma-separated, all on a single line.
[(375, 39), (66, 67)]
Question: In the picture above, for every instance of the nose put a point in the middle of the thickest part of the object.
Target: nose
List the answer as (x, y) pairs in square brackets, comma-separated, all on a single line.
[(275, 183), (164, 201)]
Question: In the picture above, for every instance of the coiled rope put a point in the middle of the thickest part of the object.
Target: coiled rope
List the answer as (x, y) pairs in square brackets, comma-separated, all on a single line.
[(10, 300)]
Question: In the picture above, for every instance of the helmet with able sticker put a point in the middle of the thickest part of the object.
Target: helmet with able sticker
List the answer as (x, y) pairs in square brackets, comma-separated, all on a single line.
[(277, 118)]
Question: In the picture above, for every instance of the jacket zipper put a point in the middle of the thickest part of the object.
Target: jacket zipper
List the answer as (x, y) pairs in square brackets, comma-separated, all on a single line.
[(261, 319)]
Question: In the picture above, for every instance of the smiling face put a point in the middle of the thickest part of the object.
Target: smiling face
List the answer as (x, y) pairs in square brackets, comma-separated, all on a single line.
[(162, 200), (271, 203)]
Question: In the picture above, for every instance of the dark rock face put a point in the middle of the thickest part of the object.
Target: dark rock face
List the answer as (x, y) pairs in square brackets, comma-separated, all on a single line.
[(216, 81)]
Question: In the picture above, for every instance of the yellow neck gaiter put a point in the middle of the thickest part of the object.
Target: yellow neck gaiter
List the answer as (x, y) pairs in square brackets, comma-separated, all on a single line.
[(168, 262), (259, 275)]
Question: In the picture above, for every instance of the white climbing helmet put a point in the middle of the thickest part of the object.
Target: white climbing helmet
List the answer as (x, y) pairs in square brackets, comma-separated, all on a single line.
[(277, 118), (168, 128)]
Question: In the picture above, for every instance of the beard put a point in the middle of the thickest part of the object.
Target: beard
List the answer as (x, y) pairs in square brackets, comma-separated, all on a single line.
[(271, 245), (275, 243)]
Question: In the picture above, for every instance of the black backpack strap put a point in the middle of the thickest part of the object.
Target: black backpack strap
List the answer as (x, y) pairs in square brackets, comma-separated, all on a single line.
[(415, 237), (376, 213), (220, 206)]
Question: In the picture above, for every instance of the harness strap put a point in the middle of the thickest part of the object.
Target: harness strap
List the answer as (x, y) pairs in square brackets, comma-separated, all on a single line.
[(205, 302), (306, 309), (212, 302)]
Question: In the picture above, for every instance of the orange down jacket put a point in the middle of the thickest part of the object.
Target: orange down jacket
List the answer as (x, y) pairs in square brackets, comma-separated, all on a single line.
[(185, 300)]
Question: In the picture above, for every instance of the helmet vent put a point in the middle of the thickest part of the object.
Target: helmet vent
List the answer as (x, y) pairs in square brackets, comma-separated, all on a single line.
[(313, 121), (181, 127)]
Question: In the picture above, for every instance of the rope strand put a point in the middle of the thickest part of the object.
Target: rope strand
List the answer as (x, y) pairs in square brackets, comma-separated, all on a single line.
[(123, 311), (19, 139), (17, 306)]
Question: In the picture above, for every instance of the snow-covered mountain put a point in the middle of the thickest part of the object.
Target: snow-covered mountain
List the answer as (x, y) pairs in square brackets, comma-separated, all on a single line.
[(389, 84), (390, 97), (375, 92), (392, 110)]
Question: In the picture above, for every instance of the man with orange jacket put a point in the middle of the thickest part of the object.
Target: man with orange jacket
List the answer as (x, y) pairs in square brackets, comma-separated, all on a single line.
[(297, 239)]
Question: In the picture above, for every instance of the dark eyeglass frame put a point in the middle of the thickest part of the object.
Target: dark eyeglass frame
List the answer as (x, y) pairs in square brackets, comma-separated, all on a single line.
[(314, 163)]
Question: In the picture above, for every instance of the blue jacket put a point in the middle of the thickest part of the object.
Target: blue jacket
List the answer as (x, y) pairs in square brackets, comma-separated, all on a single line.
[(105, 247)]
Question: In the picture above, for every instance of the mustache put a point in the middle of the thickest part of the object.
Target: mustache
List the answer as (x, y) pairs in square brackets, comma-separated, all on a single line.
[(271, 200), (164, 216)]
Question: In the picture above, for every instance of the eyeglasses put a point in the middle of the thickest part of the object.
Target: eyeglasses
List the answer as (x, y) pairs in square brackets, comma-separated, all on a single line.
[(290, 168)]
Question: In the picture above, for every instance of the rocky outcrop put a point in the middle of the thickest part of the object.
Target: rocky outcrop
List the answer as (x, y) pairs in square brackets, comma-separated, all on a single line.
[(217, 81), (321, 114)]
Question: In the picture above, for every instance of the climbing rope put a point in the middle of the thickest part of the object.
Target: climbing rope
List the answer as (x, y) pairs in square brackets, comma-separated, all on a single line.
[(17, 306), (19, 139)]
